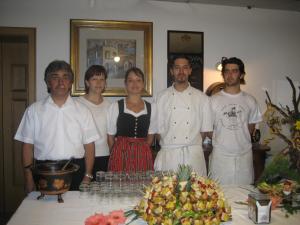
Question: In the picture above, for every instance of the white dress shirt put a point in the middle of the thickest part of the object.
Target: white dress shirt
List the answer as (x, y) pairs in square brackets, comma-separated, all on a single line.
[(99, 113), (57, 132)]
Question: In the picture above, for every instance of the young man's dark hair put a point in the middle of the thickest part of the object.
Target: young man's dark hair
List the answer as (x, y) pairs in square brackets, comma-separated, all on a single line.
[(237, 61)]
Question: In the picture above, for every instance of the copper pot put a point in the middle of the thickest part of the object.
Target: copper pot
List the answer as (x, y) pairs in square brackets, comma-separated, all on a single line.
[(52, 180)]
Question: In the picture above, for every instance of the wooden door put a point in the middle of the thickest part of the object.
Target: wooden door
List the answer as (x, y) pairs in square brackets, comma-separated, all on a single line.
[(17, 75)]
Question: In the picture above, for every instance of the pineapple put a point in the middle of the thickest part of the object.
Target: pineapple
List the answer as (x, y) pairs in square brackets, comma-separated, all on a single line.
[(184, 174)]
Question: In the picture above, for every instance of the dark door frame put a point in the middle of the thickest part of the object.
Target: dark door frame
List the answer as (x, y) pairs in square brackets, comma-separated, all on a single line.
[(30, 35)]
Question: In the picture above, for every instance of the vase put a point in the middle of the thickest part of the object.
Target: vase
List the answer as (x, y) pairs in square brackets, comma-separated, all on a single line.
[(276, 201)]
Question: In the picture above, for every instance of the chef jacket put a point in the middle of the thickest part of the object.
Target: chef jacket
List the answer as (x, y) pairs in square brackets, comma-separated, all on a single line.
[(182, 116)]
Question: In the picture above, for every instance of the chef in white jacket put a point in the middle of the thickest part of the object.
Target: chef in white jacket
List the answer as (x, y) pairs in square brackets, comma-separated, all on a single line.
[(184, 116)]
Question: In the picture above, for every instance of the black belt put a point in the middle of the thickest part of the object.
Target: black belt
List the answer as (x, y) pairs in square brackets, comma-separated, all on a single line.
[(37, 161), (50, 161)]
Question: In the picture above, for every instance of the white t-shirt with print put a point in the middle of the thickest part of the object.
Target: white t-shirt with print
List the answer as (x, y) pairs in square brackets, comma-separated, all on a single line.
[(232, 114)]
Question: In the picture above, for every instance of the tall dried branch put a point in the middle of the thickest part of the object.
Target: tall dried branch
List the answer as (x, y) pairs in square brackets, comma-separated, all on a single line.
[(295, 100), (288, 110), (298, 99), (287, 140), (275, 106)]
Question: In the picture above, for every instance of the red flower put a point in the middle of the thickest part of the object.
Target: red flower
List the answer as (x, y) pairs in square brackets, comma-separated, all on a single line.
[(97, 219), (116, 217)]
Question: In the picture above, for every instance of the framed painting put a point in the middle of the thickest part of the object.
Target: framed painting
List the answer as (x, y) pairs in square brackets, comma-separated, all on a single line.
[(117, 45), (190, 44)]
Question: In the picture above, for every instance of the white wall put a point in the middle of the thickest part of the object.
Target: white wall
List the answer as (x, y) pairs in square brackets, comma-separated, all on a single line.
[(267, 40)]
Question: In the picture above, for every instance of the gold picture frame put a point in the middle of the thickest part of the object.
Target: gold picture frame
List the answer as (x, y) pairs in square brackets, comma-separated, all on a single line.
[(102, 42)]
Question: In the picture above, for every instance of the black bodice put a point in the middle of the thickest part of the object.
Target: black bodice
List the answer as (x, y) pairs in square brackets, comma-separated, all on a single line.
[(131, 126)]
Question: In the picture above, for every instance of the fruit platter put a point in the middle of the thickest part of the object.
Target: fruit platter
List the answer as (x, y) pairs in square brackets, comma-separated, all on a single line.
[(182, 198)]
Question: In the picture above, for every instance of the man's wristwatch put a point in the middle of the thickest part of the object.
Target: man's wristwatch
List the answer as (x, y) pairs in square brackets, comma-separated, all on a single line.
[(89, 176)]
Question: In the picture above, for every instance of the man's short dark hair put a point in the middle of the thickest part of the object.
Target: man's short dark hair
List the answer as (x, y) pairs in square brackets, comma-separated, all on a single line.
[(55, 66), (172, 61)]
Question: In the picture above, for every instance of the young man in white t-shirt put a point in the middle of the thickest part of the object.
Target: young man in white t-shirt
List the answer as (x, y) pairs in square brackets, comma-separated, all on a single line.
[(235, 114)]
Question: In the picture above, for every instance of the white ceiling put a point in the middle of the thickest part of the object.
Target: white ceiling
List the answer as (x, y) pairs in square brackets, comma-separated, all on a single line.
[(290, 5)]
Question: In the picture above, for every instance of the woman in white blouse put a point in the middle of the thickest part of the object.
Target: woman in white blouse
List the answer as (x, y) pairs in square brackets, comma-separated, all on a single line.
[(95, 83), (131, 127)]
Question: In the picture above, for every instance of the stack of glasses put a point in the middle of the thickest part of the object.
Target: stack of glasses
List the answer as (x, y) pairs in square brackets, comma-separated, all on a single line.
[(120, 184)]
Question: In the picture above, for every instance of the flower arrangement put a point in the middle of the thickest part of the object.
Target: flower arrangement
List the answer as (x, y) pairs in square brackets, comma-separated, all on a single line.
[(278, 116), (278, 191), (113, 218), (182, 198), (281, 177)]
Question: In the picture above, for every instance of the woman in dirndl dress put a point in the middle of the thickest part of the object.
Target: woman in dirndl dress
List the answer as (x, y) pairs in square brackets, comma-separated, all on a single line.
[(131, 128)]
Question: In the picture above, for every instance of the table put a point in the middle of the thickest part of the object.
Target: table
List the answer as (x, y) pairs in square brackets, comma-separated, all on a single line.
[(78, 206)]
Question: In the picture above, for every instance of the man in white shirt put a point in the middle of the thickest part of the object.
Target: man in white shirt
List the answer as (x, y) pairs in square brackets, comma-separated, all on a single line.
[(235, 114), (58, 128), (184, 116)]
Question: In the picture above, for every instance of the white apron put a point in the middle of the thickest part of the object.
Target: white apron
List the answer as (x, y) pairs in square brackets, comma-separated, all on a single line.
[(169, 159), (229, 169)]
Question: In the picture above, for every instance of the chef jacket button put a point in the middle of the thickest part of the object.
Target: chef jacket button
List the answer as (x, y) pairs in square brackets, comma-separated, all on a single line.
[(174, 137), (174, 107), (188, 108), (186, 137), (187, 122), (190, 93), (175, 122), (136, 118)]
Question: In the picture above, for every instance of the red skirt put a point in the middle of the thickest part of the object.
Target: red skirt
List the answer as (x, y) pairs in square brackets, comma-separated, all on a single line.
[(130, 155)]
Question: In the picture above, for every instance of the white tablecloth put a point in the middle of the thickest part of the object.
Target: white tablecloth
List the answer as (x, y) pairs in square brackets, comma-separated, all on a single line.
[(77, 207)]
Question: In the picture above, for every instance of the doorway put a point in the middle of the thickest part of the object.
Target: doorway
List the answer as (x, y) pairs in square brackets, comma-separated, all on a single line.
[(17, 88)]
